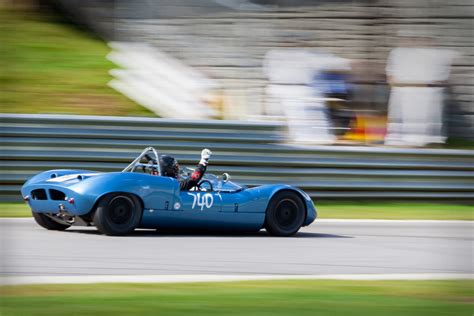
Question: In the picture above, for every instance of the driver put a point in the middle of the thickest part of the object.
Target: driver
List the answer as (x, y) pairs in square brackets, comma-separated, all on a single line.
[(170, 168)]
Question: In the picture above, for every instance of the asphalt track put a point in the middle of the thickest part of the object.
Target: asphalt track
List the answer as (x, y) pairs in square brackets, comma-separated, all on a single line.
[(326, 247)]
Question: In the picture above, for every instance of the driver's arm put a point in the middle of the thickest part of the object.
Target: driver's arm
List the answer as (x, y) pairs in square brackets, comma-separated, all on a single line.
[(198, 173)]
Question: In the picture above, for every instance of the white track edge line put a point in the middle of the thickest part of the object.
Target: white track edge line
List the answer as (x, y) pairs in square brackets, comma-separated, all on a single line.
[(394, 221), (336, 220), (87, 279)]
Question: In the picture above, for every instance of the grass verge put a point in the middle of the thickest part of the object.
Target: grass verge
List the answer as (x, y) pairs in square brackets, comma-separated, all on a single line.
[(51, 66), (14, 210), (275, 298), (395, 210), (338, 210)]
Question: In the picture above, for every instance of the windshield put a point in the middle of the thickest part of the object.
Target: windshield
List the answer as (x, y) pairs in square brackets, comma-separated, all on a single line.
[(221, 186), (218, 185)]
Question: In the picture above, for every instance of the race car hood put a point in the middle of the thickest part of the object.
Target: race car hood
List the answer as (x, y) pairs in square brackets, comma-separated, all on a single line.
[(55, 190), (61, 177)]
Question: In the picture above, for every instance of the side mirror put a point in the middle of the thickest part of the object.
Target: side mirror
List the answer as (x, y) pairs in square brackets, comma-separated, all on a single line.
[(225, 177)]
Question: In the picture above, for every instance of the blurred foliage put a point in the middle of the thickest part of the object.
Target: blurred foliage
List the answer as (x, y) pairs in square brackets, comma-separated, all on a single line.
[(275, 298), (459, 143), (50, 66), (343, 210)]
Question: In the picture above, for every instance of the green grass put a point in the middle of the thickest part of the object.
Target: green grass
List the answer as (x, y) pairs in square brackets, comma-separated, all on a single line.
[(347, 210), (49, 66), (459, 143), (14, 210), (275, 298), (395, 210)]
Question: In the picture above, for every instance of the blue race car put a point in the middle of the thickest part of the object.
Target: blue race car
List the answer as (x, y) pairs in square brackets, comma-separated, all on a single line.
[(138, 197)]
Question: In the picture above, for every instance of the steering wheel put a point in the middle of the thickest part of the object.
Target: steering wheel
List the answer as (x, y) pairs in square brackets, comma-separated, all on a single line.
[(204, 189)]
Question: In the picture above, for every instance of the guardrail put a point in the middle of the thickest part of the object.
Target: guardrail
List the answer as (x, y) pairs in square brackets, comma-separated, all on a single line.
[(253, 153)]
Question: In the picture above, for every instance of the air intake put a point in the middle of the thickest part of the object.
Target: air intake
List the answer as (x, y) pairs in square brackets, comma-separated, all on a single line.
[(57, 195), (39, 194)]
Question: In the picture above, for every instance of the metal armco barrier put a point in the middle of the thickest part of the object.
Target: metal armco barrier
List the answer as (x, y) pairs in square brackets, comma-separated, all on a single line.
[(253, 153)]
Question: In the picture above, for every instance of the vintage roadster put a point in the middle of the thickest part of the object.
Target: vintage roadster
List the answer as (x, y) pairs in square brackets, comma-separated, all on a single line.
[(140, 197)]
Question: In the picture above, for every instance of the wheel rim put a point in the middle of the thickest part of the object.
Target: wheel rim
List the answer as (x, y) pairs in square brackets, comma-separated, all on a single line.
[(286, 213), (121, 210)]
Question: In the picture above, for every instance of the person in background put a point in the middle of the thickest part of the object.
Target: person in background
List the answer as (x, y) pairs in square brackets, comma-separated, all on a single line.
[(417, 73), (292, 92)]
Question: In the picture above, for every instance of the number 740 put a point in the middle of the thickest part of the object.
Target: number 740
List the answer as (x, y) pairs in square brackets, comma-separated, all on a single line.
[(205, 200)]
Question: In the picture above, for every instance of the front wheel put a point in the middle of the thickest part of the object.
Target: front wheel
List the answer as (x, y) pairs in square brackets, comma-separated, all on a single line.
[(117, 214), (46, 222), (285, 214)]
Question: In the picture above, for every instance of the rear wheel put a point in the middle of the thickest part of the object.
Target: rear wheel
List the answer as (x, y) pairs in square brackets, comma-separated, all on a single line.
[(46, 222), (117, 214), (285, 214)]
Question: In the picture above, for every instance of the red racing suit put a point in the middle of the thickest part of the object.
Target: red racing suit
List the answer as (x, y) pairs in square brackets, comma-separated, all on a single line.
[(189, 183)]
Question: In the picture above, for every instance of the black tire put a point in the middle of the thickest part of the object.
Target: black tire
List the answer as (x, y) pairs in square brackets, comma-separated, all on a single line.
[(285, 214), (117, 214), (48, 223)]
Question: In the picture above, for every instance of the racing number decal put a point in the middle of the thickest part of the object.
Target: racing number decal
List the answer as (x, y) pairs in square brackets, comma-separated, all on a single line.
[(206, 200)]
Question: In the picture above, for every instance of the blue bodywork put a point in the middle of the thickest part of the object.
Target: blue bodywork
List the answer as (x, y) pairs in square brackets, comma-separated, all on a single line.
[(227, 206)]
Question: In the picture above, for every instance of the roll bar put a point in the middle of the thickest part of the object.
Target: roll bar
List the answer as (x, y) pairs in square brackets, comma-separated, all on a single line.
[(136, 163)]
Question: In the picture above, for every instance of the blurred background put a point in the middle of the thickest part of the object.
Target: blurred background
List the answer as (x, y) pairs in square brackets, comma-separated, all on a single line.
[(365, 105), (346, 99)]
